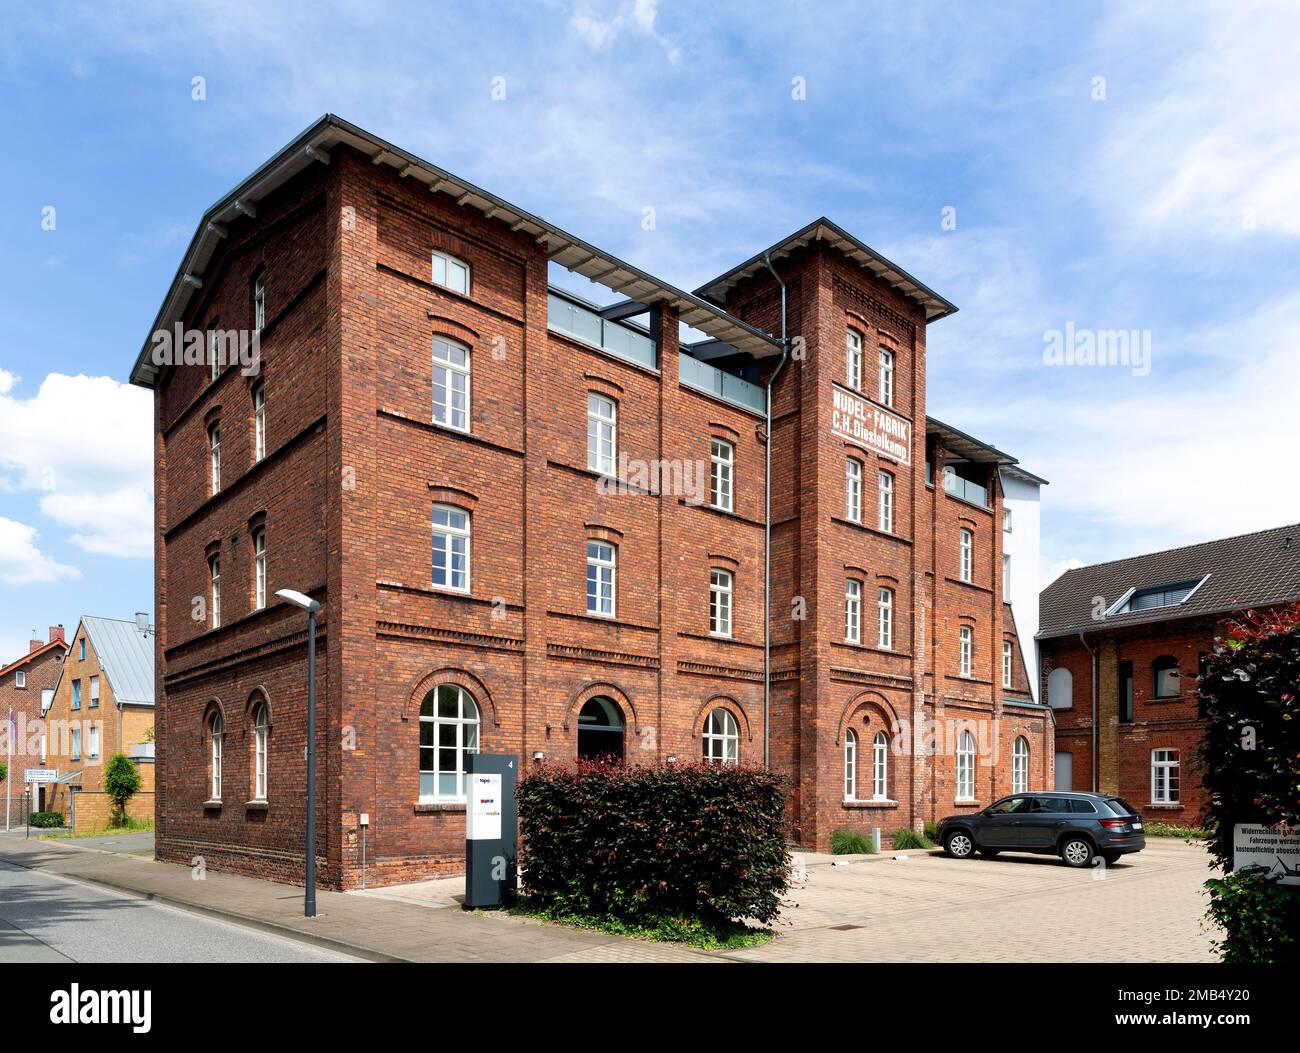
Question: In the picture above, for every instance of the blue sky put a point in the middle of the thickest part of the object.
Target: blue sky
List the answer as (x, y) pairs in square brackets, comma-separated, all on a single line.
[(1110, 167)]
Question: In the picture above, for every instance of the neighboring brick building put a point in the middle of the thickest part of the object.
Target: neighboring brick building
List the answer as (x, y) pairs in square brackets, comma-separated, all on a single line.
[(1138, 629), (23, 683), (103, 705), (421, 381)]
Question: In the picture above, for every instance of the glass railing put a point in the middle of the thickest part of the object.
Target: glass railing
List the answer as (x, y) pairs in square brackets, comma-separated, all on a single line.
[(713, 381), (965, 489), (587, 326)]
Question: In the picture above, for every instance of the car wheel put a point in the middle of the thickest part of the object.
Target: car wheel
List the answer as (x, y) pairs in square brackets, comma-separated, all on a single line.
[(990, 853), (1077, 851), (959, 845)]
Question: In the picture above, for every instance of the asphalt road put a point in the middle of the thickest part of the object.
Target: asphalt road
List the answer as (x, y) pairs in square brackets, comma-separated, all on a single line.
[(49, 919)]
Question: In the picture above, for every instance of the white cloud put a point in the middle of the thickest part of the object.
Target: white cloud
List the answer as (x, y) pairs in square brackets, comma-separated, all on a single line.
[(85, 444), (21, 562), (639, 17)]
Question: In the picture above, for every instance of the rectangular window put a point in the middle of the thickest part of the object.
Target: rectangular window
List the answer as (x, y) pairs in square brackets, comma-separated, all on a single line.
[(214, 353), (600, 578), (853, 490), (1164, 776), (450, 273), (451, 548), (259, 569), (1006, 520), (1006, 576), (259, 423), (967, 555), (1008, 654), (722, 458), (853, 611), (92, 742), (82, 653), (214, 456), (885, 618), (853, 360), (214, 575), (965, 647), (720, 602), (20, 679), (259, 303), (450, 384), (94, 692), (76, 744), (602, 433), (1125, 670), (76, 694), (886, 376), (885, 503)]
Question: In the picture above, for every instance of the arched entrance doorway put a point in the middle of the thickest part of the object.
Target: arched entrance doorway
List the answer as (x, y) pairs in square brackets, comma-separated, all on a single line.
[(600, 730)]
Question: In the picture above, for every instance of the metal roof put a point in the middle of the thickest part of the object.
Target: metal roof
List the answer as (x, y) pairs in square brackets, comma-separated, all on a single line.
[(1251, 570), (836, 237), (570, 252), (967, 446), (126, 655)]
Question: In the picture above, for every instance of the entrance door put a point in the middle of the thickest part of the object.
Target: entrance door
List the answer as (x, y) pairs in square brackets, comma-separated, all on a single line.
[(1064, 771), (600, 730)]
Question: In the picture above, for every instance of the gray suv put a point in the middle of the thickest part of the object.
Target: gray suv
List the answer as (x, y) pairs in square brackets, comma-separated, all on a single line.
[(1075, 826)]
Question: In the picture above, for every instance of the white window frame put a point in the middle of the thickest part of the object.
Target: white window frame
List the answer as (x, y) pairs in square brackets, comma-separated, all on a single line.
[(92, 741), (20, 678), (966, 547), (261, 751), (721, 737), (449, 271), (214, 364), (852, 611), (885, 618), (880, 766), (604, 563), (885, 502), (259, 422), (1006, 520), (965, 650), (259, 568), (850, 765), (853, 490), (1008, 662), (722, 470), (1020, 765), (886, 376), (259, 302), (468, 725), (1165, 780), (1006, 574), (444, 372), (214, 456), (602, 432), (853, 359), (216, 730), (457, 540), (94, 691), (721, 585), (76, 745), (966, 766), (214, 592)]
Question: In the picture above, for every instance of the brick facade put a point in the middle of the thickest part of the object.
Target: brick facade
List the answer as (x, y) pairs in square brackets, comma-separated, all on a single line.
[(353, 465), (38, 671)]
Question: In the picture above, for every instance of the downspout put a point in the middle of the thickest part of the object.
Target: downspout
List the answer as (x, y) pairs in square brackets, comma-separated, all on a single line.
[(1093, 680), (767, 535)]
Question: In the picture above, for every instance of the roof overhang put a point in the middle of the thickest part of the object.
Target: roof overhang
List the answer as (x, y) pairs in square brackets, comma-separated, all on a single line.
[(823, 230), (966, 446), (313, 147)]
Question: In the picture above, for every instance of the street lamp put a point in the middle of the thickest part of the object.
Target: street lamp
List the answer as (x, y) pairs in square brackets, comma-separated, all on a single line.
[(311, 607)]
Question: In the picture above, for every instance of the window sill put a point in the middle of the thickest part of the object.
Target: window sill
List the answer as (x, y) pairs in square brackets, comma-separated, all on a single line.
[(255, 806), (434, 807), (212, 806), (966, 804), (1166, 806), (853, 802)]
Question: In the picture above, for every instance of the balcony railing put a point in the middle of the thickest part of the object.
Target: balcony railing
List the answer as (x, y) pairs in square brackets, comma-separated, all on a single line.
[(713, 381), (965, 489), (588, 327)]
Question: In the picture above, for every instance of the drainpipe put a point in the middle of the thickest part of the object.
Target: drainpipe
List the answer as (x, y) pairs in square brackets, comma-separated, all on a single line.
[(767, 535), (1083, 640)]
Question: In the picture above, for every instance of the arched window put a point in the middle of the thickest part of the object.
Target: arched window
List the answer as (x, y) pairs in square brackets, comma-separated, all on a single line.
[(1020, 765), (451, 539), (259, 422), (966, 767), (1060, 689), (450, 372), (259, 568), (215, 729), (1164, 677), (850, 765), (214, 457), (600, 730), (885, 619), (261, 750), (449, 723), (880, 766), (721, 738)]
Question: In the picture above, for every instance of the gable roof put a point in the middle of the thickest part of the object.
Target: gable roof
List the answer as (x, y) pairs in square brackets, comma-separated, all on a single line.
[(313, 146), (126, 656), (30, 655), (823, 230), (1250, 570)]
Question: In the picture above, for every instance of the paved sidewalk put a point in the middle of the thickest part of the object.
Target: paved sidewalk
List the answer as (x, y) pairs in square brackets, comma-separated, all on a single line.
[(367, 926)]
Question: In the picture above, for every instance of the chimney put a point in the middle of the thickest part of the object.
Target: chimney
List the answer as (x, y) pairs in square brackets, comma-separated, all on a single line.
[(56, 633), (34, 645)]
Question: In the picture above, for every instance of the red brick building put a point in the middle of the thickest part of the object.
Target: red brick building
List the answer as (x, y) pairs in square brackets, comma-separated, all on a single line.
[(1121, 644), (25, 683), (425, 443)]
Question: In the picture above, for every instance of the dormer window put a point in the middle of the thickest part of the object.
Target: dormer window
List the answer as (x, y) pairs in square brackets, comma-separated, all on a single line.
[(1156, 596)]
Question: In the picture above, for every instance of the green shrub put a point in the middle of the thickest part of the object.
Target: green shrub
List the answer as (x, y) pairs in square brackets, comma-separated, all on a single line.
[(643, 844), (850, 842), (931, 830), (46, 819), (1260, 919), (1166, 830), (4, 772), (121, 782), (905, 839)]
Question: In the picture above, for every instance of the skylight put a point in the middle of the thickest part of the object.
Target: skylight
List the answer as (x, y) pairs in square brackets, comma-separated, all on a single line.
[(1154, 597)]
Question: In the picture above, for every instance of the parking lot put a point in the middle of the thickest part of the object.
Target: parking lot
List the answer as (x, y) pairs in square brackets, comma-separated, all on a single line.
[(1147, 908)]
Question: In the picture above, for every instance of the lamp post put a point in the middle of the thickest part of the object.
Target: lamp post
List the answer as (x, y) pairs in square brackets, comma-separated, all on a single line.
[(311, 607)]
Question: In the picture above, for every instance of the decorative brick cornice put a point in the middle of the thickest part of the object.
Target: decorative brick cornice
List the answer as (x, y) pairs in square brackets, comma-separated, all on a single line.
[(593, 654), (712, 669), (874, 306), (445, 635)]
